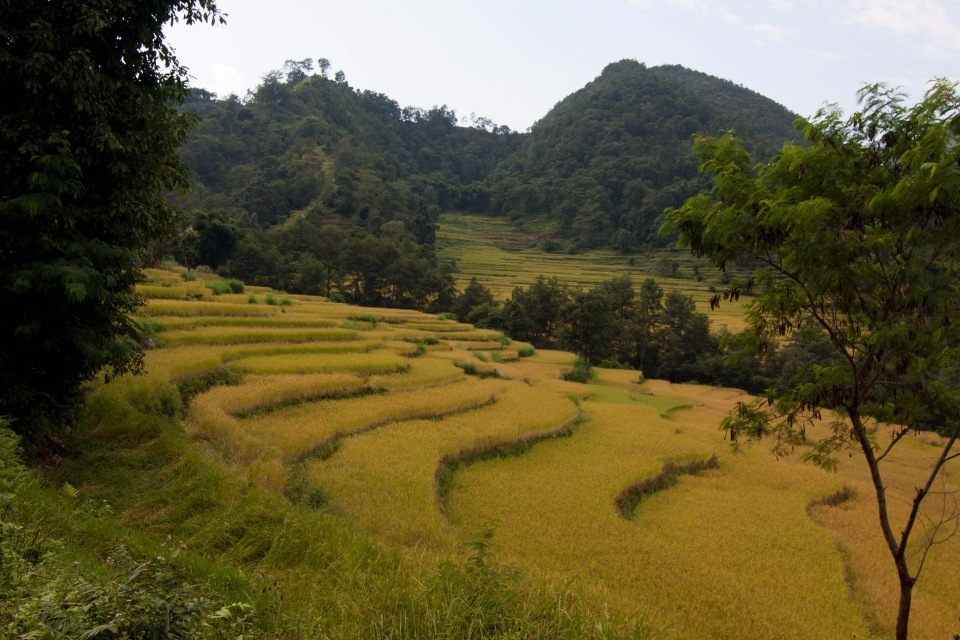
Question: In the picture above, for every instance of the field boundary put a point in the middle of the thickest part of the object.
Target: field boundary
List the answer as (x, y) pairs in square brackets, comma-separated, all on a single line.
[(451, 463), (628, 499)]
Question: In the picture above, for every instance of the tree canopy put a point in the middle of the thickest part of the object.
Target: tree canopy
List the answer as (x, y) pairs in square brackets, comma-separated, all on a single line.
[(607, 159), (856, 238), (89, 134)]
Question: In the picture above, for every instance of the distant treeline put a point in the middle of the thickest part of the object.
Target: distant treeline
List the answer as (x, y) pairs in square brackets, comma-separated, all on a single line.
[(619, 325)]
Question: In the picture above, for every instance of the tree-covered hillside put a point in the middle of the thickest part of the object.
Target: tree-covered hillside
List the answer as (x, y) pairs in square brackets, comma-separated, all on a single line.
[(310, 185), (609, 158)]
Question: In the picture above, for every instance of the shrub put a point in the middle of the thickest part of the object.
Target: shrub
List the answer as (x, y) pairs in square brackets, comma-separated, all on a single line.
[(189, 276), (526, 351), (582, 371), (219, 287), (611, 363), (235, 286)]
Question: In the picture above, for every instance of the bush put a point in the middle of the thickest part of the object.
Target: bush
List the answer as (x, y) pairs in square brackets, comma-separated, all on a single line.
[(219, 287), (611, 363), (582, 371), (235, 286), (526, 351)]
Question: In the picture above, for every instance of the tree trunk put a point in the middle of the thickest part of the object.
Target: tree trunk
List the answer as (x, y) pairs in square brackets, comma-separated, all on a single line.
[(903, 613)]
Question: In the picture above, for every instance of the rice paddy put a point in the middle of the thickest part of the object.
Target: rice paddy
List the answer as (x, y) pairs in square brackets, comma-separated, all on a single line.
[(398, 426), (503, 255)]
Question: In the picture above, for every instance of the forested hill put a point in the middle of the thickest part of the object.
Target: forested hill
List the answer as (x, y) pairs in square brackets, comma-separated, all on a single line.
[(311, 185), (608, 159), (305, 143)]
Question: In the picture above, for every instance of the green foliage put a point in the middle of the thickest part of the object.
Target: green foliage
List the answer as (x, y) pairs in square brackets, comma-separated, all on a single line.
[(637, 329), (336, 192), (187, 388), (313, 257), (857, 236), (582, 371), (473, 296), (88, 140), (43, 595), (140, 599), (219, 287), (607, 159), (526, 351)]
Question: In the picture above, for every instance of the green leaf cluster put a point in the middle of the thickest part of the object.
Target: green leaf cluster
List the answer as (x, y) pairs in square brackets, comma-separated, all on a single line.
[(88, 147)]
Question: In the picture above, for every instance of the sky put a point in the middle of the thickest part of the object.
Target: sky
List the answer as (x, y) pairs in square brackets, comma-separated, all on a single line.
[(511, 61)]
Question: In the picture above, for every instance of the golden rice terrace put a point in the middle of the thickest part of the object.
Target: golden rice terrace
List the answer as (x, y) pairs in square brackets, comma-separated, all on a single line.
[(421, 431)]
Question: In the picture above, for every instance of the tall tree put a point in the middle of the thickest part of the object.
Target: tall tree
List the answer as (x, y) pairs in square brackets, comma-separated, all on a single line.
[(89, 133), (858, 235)]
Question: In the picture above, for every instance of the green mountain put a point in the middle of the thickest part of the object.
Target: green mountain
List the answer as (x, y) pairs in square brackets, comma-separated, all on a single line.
[(606, 160), (310, 185)]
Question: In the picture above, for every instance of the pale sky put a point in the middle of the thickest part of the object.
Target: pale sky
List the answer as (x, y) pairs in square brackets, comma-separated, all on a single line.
[(512, 60)]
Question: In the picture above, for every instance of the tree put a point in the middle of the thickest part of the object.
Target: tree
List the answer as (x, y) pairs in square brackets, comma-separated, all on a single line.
[(645, 318), (324, 65), (858, 235), (89, 133), (682, 338), (587, 325)]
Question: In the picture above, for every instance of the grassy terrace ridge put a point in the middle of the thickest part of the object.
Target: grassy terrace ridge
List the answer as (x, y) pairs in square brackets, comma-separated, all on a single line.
[(303, 480), (502, 255)]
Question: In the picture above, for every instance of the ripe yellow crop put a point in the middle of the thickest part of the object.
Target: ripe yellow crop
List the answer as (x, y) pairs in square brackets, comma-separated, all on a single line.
[(381, 361), (203, 308), (246, 335), (162, 291), (368, 416), (385, 479), (295, 431)]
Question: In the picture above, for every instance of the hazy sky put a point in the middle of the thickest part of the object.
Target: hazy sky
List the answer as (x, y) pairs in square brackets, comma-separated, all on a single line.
[(512, 60)]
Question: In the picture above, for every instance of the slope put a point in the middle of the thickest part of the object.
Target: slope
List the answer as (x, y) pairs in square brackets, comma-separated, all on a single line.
[(606, 160)]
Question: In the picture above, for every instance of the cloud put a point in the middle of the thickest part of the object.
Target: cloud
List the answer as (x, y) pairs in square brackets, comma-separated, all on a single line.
[(703, 8), (769, 30), (784, 6), (226, 80), (933, 24)]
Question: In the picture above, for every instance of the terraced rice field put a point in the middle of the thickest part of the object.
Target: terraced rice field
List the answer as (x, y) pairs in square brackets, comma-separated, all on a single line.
[(371, 414), (502, 256)]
